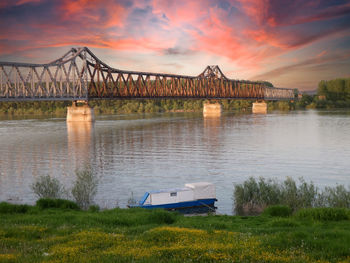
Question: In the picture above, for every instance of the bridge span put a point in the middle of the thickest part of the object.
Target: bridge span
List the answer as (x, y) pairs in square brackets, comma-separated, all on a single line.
[(79, 75)]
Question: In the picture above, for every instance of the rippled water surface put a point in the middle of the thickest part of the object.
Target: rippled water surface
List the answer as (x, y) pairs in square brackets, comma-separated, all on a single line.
[(136, 153)]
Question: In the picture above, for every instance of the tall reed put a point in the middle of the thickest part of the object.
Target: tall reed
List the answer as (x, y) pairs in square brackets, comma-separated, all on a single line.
[(254, 195)]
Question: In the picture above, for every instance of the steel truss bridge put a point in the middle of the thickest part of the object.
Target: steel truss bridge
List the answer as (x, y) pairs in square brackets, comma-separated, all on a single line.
[(80, 75)]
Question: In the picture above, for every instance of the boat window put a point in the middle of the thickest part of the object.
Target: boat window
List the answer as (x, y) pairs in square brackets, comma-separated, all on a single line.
[(173, 194)]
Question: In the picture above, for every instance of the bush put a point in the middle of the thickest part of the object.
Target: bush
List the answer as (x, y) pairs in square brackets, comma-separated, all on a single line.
[(6, 208), (325, 213), (48, 187), (85, 188), (278, 210), (160, 216), (253, 195), (94, 208), (46, 203), (335, 197)]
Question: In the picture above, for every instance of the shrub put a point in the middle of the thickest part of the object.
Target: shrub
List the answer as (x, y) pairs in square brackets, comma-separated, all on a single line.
[(85, 188), (335, 197), (6, 208), (278, 210), (48, 187), (253, 195), (324, 213), (94, 208), (298, 196), (46, 203), (307, 194), (160, 216)]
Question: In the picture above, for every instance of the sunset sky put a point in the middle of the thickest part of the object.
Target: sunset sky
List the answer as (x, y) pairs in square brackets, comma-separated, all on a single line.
[(293, 44)]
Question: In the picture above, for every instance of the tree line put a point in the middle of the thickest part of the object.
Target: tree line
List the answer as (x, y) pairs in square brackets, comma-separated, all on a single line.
[(333, 93)]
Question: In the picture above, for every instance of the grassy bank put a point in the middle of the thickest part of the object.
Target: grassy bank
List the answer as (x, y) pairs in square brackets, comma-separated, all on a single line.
[(31, 234)]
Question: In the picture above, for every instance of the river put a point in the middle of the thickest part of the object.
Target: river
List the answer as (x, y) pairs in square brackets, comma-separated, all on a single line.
[(136, 153)]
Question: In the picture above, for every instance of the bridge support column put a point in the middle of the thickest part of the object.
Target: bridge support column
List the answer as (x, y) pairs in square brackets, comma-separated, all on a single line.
[(82, 113), (212, 109), (259, 107)]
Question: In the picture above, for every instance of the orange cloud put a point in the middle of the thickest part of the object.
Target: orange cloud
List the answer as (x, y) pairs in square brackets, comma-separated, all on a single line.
[(142, 44), (256, 9), (218, 37), (103, 13), (250, 35), (265, 37), (321, 54)]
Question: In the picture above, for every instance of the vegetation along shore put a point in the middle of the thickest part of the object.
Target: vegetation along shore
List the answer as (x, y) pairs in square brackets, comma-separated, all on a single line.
[(59, 109), (39, 234), (57, 230)]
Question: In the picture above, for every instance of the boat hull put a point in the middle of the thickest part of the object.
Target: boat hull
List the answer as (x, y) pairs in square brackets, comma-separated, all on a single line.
[(195, 206)]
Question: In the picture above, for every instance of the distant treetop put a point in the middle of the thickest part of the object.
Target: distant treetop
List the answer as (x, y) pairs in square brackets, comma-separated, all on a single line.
[(269, 84)]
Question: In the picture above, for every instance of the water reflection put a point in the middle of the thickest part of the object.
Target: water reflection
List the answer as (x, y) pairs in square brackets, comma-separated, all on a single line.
[(149, 152), (211, 138), (80, 142)]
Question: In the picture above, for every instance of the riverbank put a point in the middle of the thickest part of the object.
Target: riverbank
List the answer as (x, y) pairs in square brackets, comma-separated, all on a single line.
[(59, 109), (137, 235)]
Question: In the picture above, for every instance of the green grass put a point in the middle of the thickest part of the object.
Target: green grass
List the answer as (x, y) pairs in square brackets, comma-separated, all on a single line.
[(278, 210), (139, 235)]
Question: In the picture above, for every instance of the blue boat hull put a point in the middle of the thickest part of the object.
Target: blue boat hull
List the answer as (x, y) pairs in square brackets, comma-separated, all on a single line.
[(195, 206)]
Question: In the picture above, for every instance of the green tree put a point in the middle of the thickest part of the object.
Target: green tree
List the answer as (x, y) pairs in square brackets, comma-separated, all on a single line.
[(322, 88)]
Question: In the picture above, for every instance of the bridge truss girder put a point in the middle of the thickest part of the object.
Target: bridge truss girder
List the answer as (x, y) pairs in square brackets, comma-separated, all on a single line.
[(80, 75)]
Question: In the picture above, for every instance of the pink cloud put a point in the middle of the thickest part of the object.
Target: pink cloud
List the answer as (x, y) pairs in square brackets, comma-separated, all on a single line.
[(251, 35), (113, 13), (216, 35), (256, 9), (328, 13), (6, 3), (182, 11), (21, 2), (213, 32), (311, 62), (321, 54), (142, 44), (284, 13)]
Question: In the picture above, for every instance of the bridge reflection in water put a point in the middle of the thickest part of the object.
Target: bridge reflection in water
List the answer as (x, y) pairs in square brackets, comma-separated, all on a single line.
[(80, 142)]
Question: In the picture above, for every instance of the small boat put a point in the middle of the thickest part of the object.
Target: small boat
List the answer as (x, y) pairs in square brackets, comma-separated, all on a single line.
[(193, 198)]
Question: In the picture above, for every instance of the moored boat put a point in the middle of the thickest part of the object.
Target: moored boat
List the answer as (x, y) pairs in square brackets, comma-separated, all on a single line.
[(193, 198)]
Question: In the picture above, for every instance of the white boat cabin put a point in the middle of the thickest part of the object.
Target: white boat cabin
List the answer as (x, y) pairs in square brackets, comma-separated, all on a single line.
[(191, 192)]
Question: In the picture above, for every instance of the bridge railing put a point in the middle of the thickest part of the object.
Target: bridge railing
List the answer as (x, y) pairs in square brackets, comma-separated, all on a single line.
[(278, 94)]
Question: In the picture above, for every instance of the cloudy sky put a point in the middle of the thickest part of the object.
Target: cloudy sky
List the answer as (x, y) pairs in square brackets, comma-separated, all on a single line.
[(292, 44)]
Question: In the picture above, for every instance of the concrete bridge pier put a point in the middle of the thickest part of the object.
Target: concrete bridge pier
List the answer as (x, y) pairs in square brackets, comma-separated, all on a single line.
[(259, 107), (83, 113), (212, 109)]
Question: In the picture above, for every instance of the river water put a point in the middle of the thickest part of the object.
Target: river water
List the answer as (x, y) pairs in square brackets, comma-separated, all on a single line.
[(136, 153)]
